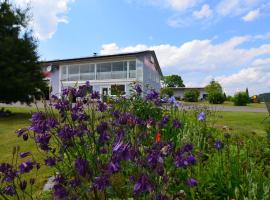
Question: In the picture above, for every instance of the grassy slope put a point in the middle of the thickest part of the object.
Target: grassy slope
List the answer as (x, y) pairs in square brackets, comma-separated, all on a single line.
[(8, 139), (230, 103)]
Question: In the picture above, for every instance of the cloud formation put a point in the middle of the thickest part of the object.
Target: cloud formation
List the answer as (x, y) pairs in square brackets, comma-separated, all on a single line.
[(205, 12), (202, 57), (251, 15), (47, 14)]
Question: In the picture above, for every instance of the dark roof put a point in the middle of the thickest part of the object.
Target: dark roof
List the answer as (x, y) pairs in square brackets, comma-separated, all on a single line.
[(96, 57)]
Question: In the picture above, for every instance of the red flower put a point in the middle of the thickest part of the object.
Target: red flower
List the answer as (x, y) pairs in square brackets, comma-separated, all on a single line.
[(158, 137)]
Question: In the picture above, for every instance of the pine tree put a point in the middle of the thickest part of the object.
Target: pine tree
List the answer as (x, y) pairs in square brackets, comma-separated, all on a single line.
[(20, 73)]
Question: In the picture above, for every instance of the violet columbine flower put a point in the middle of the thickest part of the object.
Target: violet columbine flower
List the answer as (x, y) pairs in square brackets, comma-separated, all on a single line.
[(95, 95), (43, 141), (60, 191), (191, 160), (191, 182), (75, 182), (21, 131), (201, 116), (172, 100), (162, 197), (164, 121), (26, 167), (82, 166), (154, 158), (25, 154), (102, 107), (66, 133), (138, 89), (218, 144), (51, 122), (142, 185), (101, 182), (9, 190), (114, 167), (176, 124), (23, 185), (50, 161), (151, 95)]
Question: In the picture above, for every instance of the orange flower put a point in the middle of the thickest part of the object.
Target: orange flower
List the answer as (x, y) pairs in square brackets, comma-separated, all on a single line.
[(158, 137)]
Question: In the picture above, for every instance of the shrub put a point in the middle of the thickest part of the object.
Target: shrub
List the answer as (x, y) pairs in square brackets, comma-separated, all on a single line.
[(229, 98), (166, 92), (191, 95), (216, 98), (241, 99)]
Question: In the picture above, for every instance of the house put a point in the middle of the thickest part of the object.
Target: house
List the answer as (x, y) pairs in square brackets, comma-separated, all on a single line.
[(180, 91), (108, 74)]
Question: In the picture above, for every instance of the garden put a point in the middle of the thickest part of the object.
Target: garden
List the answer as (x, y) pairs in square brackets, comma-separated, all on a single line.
[(141, 147)]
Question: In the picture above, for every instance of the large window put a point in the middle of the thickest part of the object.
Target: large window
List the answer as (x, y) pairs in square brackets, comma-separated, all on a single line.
[(99, 71), (119, 70), (118, 90), (87, 72), (132, 69)]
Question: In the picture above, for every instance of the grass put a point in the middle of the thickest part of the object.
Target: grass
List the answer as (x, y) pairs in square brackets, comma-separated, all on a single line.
[(243, 122), (8, 126), (230, 103)]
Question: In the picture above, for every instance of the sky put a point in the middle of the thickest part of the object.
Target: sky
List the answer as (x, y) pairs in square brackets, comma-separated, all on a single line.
[(200, 40)]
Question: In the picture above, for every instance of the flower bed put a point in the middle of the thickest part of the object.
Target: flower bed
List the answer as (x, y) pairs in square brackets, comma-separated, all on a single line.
[(136, 148)]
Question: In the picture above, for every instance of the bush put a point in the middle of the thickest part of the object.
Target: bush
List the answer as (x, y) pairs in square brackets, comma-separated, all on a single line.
[(241, 99), (229, 98), (166, 92), (216, 98), (191, 95)]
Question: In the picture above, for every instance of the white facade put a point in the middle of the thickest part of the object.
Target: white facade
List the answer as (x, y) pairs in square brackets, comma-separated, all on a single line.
[(107, 73)]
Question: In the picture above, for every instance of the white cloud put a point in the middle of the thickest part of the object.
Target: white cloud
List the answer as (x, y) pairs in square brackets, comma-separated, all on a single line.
[(204, 58), (47, 14), (256, 77), (205, 12), (181, 5), (251, 15)]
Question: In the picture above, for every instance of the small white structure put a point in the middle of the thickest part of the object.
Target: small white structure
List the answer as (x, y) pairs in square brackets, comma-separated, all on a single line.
[(106, 73)]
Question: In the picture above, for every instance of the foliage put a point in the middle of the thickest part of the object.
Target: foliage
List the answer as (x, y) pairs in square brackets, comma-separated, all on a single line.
[(20, 73), (215, 93), (166, 92), (241, 99), (216, 98), (191, 95), (173, 81), (136, 148), (229, 98)]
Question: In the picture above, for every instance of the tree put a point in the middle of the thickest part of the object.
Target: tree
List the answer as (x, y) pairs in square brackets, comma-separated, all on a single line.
[(166, 92), (215, 93), (241, 99), (173, 81), (20, 73)]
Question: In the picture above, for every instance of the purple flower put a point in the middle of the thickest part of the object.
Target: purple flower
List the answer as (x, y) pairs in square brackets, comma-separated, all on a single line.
[(201, 116), (50, 161), (25, 137), (114, 167), (162, 197), (142, 185), (25, 154), (51, 122), (172, 100), (95, 95), (151, 95), (23, 185), (102, 127), (102, 107), (9, 190), (66, 133), (138, 89), (43, 141), (82, 167), (176, 123), (26, 167), (191, 160), (60, 191), (218, 144), (164, 121), (101, 182), (75, 182), (21, 131), (154, 158), (191, 182)]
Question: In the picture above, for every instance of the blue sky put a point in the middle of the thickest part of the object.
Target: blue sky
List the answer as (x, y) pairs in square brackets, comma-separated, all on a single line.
[(228, 40)]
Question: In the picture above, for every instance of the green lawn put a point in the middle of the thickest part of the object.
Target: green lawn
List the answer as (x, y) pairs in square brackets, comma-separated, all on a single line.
[(230, 103), (9, 139), (243, 122)]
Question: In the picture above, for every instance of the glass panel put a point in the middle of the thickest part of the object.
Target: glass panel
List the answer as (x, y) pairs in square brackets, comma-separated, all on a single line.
[(132, 69), (118, 90), (73, 73), (87, 72), (104, 71), (64, 73), (119, 70)]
